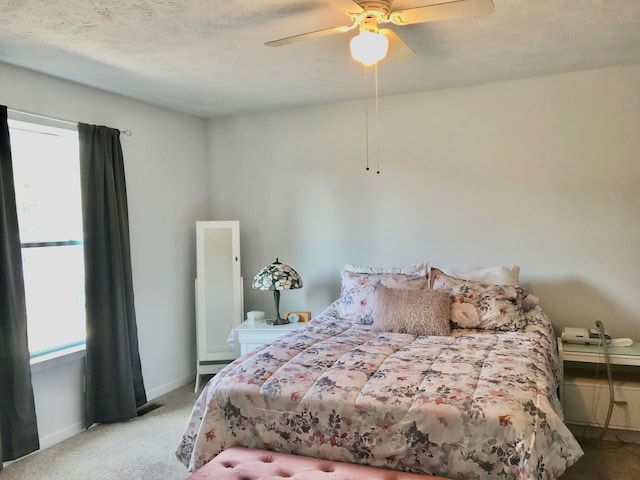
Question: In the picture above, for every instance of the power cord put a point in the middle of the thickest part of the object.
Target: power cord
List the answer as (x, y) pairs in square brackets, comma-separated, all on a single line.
[(603, 341), (620, 445), (617, 445)]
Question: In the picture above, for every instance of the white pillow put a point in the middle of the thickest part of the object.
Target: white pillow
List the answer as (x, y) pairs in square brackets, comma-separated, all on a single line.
[(419, 268), (493, 275)]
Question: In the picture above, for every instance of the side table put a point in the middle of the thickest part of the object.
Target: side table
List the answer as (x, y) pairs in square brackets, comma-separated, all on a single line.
[(253, 336), (584, 391)]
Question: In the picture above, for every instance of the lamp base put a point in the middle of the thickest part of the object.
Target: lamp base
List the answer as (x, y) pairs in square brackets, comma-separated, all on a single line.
[(278, 321)]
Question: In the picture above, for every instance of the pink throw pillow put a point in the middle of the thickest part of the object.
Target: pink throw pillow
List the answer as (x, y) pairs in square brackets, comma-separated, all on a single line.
[(418, 312)]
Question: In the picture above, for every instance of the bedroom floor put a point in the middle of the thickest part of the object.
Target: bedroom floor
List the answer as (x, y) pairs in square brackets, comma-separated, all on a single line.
[(113, 451), (606, 460)]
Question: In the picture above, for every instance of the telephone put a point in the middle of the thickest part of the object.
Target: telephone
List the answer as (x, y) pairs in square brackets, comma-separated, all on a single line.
[(582, 335), (592, 337)]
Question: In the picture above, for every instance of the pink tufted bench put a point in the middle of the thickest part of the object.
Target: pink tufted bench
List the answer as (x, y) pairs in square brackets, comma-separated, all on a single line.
[(238, 463)]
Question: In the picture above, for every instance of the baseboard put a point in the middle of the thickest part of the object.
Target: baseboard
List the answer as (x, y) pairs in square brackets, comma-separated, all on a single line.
[(170, 386), (60, 435)]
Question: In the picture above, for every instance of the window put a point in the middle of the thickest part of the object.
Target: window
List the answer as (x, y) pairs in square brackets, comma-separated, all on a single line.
[(46, 171)]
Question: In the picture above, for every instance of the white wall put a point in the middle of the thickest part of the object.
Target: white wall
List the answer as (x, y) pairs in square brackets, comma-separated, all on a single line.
[(166, 169), (543, 173)]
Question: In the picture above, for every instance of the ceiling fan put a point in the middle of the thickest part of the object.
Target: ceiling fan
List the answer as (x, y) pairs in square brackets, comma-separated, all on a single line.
[(372, 43)]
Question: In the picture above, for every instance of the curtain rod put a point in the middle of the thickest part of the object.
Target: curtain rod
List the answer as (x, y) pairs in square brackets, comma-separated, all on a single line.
[(126, 133)]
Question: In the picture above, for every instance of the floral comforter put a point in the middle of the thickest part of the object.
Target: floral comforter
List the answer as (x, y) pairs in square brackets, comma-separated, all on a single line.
[(473, 405)]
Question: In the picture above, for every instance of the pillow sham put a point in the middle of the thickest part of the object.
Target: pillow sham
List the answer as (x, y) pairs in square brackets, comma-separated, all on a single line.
[(420, 267), (481, 305), (494, 275), (357, 292), (418, 312)]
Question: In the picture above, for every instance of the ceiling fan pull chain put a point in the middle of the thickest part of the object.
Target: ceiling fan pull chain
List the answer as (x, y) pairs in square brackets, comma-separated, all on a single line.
[(377, 123), (366, 116)]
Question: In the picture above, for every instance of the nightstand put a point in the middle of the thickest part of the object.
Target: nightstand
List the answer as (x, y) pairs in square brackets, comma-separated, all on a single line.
[(584, 391), (252, 337)]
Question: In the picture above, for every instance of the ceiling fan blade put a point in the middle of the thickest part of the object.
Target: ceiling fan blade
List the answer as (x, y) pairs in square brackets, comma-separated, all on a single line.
[(306, 36), (442, 11), (398, 49), (348, 6)]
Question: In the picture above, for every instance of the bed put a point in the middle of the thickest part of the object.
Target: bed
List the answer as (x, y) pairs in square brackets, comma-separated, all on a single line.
[(471, 403)]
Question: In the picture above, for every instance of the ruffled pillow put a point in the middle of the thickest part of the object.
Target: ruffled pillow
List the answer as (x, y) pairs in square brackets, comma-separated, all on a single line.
[(481, 305), (529, 301), (357, 293), (418, 312)]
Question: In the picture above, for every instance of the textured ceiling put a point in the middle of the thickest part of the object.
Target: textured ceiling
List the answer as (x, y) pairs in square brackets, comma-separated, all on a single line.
[(207, 57)]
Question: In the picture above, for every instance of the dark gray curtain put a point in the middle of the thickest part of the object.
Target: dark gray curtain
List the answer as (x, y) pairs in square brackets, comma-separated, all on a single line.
[(115, 388), (18, 428)]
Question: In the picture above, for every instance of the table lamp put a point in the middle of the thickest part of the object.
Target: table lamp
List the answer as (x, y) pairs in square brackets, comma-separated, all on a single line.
[(276, 277)]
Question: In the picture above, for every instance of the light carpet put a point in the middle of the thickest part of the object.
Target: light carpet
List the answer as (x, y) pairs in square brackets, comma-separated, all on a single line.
[(141, 449)]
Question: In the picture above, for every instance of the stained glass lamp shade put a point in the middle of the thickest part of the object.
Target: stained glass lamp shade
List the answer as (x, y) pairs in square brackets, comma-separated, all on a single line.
[(276, 277)]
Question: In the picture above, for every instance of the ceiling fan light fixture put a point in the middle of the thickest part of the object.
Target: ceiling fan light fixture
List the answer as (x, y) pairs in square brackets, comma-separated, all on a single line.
[(369, 47)]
